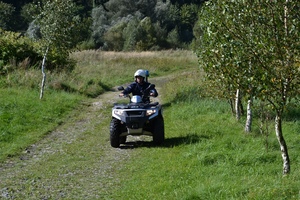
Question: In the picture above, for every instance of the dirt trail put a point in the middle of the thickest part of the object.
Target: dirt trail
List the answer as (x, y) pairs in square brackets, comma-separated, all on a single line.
[(29, 175)]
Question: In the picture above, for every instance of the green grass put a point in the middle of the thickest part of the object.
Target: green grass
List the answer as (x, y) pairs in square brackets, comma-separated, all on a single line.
[(24, 118), (208, 156)]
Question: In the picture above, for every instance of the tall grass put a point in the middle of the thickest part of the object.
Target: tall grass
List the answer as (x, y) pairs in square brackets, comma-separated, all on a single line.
[(98, 71), (113, 68)]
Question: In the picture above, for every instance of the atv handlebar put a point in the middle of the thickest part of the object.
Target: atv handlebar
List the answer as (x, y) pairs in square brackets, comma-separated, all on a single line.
[(146, 92)]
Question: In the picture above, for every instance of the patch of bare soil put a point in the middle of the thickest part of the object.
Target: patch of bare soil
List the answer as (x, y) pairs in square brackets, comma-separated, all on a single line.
[(16, 172)]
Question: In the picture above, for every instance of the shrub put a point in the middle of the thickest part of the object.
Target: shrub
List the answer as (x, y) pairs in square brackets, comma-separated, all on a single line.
[(17, 48)]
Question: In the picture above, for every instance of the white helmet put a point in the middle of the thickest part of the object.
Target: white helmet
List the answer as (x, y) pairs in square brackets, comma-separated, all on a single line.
[(141, 73)]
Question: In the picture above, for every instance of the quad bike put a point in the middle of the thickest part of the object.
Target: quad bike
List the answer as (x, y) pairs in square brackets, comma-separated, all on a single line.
[(137, 118)]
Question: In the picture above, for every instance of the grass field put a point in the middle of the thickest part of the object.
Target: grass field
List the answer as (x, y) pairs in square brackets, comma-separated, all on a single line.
[(206, 154), (24, 118)]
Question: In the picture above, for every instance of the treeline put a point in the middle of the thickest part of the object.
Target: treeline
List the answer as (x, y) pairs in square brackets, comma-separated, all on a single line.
[(119, 25)]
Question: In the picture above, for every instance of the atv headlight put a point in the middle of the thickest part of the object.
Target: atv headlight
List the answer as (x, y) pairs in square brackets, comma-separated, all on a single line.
[(150, 112), (118, 112)]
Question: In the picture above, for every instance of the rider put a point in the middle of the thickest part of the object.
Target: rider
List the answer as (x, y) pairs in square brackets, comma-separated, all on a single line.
[(139, 85)]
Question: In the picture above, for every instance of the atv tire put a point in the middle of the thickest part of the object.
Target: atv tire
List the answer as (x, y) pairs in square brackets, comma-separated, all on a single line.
[(115, 127), (158, 131), (123, 139)]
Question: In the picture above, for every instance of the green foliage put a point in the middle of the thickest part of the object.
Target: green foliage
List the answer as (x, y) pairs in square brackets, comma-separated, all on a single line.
[(16, 48), (18, 51), (60, 30), (173, 38), (114, 38), (148, 24), (250, 46), (130, 34), (188, 14), (86, 45), (99, 25), (29, 12), (51, 22), (81, 31), (146, 37), (56, 22), (255, 56), (6, 13), (96, 20)]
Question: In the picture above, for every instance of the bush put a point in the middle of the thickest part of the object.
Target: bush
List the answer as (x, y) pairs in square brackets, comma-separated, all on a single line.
[(17, 50), (114, 37)]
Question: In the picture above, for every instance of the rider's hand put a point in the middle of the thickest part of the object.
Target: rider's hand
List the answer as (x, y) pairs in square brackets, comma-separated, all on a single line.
[(151, 94), (121, 95)]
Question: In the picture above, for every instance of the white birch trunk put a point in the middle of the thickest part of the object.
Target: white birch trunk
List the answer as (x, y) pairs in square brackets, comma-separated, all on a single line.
[(249, 116), (237, 105), (283, 146), (44, 75), (248, 125), (278, 120)]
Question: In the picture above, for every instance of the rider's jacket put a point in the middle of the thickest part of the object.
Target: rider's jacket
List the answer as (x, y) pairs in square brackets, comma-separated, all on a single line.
[(138, 89)]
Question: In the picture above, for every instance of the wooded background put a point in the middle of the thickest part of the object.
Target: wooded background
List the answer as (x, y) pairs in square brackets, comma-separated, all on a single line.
[(113, 24)]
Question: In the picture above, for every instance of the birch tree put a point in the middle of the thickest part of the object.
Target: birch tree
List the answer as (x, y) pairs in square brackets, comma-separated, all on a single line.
[(259, 35), (56, 21)]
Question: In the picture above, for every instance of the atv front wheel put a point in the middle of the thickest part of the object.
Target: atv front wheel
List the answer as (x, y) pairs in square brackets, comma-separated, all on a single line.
[(159, 131), (123, 139), (115, 127)]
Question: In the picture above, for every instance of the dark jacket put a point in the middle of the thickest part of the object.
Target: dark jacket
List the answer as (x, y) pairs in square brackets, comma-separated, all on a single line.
[(137, 89)]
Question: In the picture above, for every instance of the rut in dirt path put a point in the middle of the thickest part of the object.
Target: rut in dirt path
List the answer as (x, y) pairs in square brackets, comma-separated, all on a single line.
[(75, 160)]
